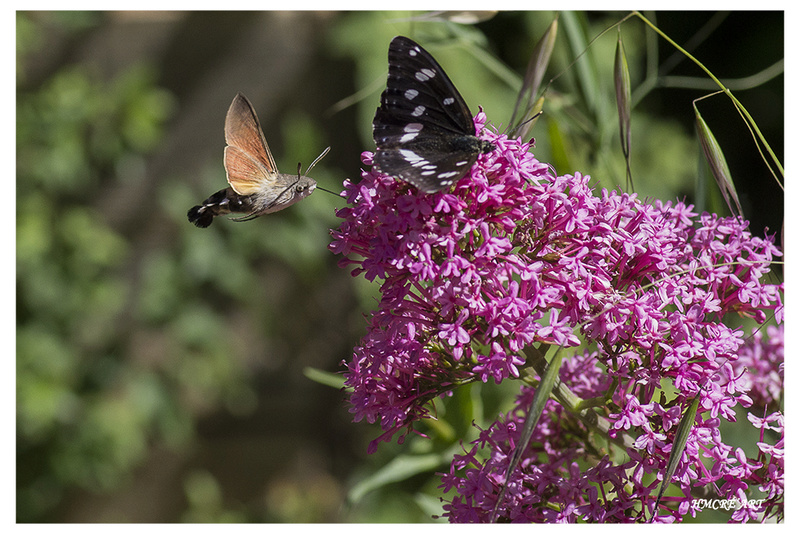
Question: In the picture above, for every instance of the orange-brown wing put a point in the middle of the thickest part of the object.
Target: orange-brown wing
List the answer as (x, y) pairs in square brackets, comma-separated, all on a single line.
[(243, 131), (245, 174)]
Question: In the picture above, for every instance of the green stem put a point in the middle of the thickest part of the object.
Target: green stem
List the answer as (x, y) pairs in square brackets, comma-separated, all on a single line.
[(752, 123)]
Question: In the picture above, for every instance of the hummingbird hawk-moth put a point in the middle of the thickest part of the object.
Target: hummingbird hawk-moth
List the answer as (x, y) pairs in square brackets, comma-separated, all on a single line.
[(256, 186)]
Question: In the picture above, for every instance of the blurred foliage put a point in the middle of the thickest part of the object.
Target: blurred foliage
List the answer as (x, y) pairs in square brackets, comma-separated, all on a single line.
[(133, 334), (84, 414)]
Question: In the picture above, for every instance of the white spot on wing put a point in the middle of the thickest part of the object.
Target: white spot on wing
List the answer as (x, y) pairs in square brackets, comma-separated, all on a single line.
[(412, 157), (448, 174), (411, 94), (419, 110), (412, 130), (449, 100), (425, 74)]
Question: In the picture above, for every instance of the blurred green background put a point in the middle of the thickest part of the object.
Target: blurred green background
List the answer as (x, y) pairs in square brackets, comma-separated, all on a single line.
[(162, 370)]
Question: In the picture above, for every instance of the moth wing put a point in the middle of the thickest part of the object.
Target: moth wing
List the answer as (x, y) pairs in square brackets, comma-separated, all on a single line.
[(243, 131), (245, 174)]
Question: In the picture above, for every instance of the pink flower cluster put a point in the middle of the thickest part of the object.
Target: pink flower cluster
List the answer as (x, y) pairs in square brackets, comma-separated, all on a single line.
[(514, 256)]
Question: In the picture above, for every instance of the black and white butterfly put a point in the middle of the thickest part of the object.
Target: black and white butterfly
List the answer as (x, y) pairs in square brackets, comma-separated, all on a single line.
[(423, 128)]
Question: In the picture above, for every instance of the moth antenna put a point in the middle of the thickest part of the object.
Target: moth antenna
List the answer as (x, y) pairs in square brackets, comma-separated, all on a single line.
[(308, 170)]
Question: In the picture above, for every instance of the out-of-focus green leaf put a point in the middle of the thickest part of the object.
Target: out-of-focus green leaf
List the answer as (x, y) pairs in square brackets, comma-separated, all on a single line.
[(335, 380), (528, 99), (401, 468)]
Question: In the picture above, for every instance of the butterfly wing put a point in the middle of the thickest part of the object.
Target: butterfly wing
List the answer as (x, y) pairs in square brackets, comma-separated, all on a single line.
[(418, 91), (429, 170), (248, 160), (423, 128)]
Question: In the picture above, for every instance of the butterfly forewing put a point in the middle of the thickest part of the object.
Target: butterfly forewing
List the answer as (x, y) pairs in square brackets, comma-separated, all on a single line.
[(423, 128), (248, 160), (418, 87)]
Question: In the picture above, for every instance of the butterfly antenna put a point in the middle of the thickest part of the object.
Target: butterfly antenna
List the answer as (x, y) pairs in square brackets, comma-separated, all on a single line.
[(523, 123)]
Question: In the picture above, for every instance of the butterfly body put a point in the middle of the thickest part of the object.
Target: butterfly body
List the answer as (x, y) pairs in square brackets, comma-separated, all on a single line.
[(423, 128), (256, 186)]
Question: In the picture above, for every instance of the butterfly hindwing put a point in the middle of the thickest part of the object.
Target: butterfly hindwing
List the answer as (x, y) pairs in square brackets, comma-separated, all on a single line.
[(427, 170), (423, 129)]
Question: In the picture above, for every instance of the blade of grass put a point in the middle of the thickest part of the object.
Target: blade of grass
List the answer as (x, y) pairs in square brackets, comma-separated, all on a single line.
[(681, 436), (749, 121), (534, 413)]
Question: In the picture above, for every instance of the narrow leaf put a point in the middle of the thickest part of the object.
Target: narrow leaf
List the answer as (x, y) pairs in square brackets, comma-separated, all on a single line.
[(326, 378), (622, 86), (719, 166), (534, 413), (400, 468), (575, 29), (681, 436), (537, 66)]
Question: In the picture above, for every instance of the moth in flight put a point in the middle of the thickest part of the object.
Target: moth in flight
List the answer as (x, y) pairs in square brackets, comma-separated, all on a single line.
[(256, 186)]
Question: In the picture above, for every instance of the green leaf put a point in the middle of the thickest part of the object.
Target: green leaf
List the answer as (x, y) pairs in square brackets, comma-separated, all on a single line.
[(534, 413), (681, 436), (402, 467), (334, 380)]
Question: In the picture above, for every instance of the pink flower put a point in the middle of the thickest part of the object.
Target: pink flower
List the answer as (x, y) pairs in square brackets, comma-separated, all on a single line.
[(513, 256)]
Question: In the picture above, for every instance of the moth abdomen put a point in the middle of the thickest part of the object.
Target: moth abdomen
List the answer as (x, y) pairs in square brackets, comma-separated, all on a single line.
[(222, 202)]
